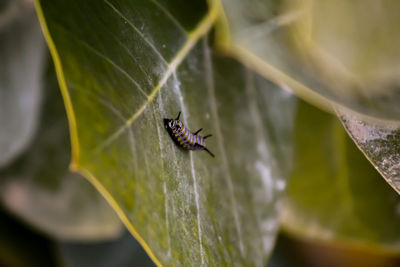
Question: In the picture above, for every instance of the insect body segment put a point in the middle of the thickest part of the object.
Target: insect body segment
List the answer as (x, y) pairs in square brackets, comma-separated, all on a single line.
[(183, 137)]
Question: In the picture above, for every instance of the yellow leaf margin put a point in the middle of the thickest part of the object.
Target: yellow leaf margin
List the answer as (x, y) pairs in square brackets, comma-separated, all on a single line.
[(202, 29)]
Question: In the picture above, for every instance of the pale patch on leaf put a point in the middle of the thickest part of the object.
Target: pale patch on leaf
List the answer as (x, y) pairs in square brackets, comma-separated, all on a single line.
[(380, 143)]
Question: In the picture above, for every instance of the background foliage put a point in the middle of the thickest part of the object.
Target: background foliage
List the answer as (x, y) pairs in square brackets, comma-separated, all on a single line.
[(122, 66)]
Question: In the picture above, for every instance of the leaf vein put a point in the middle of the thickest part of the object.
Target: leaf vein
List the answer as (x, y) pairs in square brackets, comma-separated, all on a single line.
[(136, 30), (131, 56), (196, 194), (100, 55), (169, 15), (164, 179), (202, 28), (219, 136)]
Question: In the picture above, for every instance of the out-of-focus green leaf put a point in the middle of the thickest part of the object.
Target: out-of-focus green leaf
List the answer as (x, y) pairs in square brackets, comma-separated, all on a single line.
[(379, 142), (20, 247), (39, 188), (124, 251), (333, 51), (123, 67), (21, 67), (334, 193)]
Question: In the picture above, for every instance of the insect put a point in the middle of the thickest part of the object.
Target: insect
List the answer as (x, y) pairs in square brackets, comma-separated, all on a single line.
[(183, 137)]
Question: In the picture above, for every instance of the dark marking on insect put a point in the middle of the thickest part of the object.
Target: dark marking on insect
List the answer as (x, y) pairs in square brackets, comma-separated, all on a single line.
[(183, 137)]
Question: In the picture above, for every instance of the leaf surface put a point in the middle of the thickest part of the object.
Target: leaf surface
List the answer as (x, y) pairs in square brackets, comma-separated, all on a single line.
[(327, 52), (123, 66), (334, 193), (380, 143)]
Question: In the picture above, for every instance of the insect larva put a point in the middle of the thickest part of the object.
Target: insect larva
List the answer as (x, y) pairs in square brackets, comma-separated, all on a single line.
[(183, 137)]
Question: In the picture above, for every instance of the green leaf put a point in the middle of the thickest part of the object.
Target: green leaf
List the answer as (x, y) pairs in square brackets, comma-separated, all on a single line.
[(379, 141), (334, 193), (22, 55), (327, 52), (39, 188), (123, 66)]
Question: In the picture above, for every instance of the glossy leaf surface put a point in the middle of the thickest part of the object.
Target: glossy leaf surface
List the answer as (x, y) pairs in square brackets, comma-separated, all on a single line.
[(124, 66)]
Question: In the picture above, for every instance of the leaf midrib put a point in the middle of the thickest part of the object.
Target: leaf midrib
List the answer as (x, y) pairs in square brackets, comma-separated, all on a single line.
[(203, 27)]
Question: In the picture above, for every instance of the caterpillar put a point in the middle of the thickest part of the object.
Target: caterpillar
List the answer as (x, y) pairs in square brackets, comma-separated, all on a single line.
[(183, 137)]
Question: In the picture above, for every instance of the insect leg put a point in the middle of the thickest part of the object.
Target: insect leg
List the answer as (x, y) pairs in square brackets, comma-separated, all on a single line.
[(209, 152), (209, 135), (198, 131)]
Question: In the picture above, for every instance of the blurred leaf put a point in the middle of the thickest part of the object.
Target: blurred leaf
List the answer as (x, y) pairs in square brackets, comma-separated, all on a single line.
[(22, 53), (117, 63), (334, 193), (11, 10), (343, 52), (20, 247), (124, 251), (39, 188), (379, 142), (286, 254), (290, 252)]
